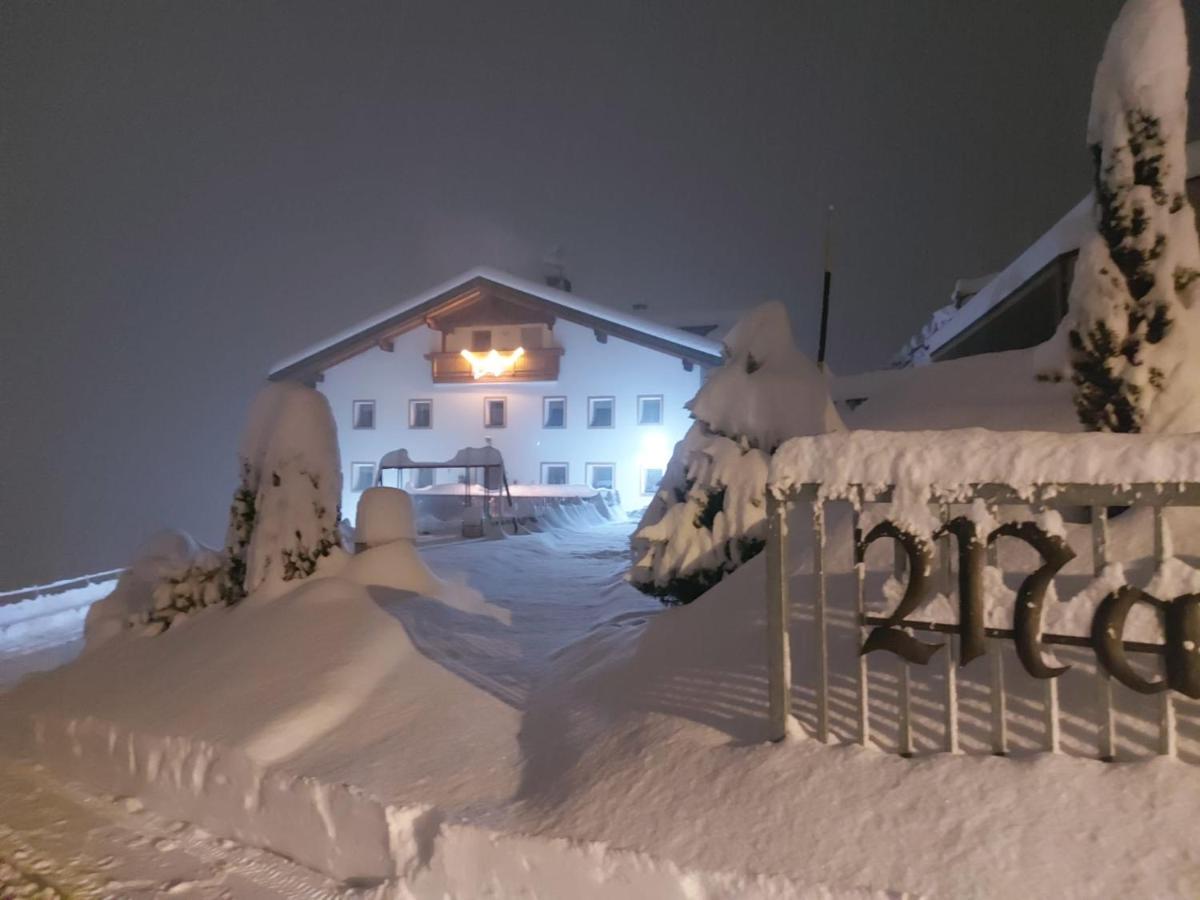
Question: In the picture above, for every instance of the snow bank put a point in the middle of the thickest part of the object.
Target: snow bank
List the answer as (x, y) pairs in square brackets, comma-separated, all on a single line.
[(648, 733), (137, 717)]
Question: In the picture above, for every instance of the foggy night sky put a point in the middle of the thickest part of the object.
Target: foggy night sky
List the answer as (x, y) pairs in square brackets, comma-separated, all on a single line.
[(190, 191)]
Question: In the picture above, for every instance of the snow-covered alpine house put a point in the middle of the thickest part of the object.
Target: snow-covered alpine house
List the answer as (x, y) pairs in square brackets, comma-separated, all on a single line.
[(1021, 305), (577, 397)]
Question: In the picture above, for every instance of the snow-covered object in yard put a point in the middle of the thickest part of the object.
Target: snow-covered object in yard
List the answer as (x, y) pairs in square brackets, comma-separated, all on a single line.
[(1132, 328), (153, 584), (708, 514), (384, 515), (291, 444)]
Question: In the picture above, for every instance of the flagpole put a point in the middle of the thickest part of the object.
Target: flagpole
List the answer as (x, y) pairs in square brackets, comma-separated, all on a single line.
[(825, 289)]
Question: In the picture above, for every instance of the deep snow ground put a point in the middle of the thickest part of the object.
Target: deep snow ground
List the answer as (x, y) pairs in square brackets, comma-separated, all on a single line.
[(545, 728)]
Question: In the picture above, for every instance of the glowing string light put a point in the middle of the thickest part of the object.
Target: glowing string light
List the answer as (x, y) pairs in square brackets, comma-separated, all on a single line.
[(494, 363)]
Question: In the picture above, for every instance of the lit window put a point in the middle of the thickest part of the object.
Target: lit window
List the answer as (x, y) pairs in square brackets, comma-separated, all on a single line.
[(600, 412), (424, 478), (650, 410), (650, 480), (481, 340), (554, 412), (364, 414), (554, 473), (600, 476), (420, 413), (362, 476), (495, 412)]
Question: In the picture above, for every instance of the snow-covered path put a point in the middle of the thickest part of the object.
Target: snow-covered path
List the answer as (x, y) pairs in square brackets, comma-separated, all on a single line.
[(58, 840), (554, 587)]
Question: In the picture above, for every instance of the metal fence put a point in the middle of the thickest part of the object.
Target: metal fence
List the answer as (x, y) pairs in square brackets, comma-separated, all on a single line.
[(930, 565)]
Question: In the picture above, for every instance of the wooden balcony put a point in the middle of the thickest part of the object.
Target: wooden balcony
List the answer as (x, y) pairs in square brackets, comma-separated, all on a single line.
[(539, 364)]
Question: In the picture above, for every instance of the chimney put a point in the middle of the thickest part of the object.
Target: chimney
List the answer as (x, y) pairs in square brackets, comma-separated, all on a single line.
[(556, 269)]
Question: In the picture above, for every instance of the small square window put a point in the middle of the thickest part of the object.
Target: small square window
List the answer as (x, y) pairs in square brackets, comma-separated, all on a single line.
[(650, 480), (420, 413), (364, 414), (554, 473), (495, 412), (481, 340), (423, 478), (362, 476), (650, 410), (554, 412), (600, 412), (600, 476)]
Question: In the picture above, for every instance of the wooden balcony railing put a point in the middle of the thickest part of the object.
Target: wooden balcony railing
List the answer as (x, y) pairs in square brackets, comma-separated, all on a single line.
[(539, 364)]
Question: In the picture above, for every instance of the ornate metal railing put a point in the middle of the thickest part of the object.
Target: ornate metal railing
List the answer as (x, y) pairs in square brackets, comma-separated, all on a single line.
[(953, 557)]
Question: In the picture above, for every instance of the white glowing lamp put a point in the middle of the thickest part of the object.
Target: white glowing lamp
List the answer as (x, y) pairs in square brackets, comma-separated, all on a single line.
[(493, 363)]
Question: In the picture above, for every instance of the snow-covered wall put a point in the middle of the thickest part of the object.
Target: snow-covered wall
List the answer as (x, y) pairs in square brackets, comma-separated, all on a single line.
[(617, 369)]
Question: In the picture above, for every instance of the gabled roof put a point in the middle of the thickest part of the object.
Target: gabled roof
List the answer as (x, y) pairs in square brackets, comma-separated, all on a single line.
[(438, 303)]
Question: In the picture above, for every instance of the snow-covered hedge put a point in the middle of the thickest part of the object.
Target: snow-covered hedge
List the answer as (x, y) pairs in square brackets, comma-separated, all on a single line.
[(708, 516), (1132, 330)]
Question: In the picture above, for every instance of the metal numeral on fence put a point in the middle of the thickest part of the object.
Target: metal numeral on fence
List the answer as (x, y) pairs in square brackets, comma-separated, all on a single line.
[(969, 636)]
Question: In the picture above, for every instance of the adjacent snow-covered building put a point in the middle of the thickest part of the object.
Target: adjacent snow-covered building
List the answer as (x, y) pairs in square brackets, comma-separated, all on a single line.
[(571, 392), (1021, 305)]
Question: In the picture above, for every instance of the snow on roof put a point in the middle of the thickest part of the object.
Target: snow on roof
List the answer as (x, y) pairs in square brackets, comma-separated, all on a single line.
[(1065, 236), (569, 306)]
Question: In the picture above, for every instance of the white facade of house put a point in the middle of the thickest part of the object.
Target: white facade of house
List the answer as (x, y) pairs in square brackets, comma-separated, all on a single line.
[(616, 369)]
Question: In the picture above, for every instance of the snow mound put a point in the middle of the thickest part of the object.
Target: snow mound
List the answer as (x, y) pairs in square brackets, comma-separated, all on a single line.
[(650, 731), (164, 555), (384, 515)]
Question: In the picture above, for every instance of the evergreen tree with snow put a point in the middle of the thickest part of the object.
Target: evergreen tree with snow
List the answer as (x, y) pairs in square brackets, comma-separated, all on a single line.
[(1132, 322), (709, 514), (292, 465)]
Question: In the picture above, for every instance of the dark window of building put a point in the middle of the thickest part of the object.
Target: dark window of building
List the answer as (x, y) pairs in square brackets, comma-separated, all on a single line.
[(600, 412), (554, 412), (554, 473), (420, 413), (364, 414)]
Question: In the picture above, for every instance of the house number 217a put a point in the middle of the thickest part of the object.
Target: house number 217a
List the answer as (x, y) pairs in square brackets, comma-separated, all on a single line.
[(1180, 617)]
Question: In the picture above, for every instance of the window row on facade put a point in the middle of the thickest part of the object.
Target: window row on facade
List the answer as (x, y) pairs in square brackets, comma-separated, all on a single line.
[(601, 412), (597, 475)]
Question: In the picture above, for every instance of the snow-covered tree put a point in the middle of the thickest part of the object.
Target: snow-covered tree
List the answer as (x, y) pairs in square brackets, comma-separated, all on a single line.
[(1131, 331), (291, 463), (709, 514)]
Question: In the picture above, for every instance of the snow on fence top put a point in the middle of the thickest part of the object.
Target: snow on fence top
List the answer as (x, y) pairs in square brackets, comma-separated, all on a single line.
[(940, 465)]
